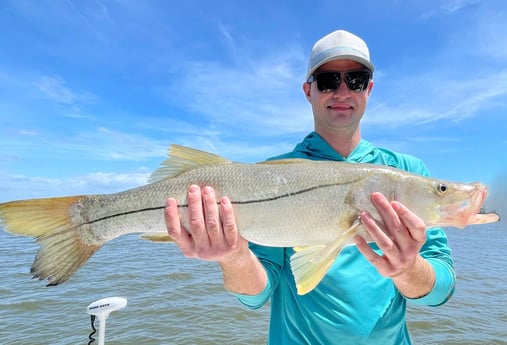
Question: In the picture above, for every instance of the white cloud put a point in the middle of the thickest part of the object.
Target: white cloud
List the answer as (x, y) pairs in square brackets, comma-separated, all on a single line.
[(55, 89), (446, 7), (259, 94), (436, 96), (464, 78), (27, 132), (15, 187), (451, 6)]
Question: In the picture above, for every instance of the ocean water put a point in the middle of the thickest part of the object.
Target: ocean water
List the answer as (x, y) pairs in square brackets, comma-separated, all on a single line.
[(173, 300)]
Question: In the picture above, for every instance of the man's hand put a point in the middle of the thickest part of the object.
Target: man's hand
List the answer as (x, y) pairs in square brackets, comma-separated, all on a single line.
[(400, 236), (212, 233)]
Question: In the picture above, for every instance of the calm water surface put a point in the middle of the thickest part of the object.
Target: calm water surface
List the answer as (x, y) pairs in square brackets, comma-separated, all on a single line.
[(172, 300)]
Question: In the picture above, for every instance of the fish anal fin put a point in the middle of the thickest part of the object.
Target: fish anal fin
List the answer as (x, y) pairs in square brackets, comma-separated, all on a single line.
[(156, 237), (182, 159), (307, 272), (310, 264)]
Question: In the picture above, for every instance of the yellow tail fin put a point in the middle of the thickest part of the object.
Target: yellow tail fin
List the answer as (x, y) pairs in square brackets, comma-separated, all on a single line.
[(62, 251)]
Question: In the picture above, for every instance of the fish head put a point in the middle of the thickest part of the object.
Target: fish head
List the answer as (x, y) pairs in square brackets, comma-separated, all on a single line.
[(442, 203)]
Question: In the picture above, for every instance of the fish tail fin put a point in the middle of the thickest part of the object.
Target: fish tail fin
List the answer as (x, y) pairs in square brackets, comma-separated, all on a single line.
[(310, 264), (62, 251)]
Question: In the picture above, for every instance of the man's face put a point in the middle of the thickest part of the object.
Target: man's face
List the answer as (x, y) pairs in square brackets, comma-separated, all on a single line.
[(341, 109)]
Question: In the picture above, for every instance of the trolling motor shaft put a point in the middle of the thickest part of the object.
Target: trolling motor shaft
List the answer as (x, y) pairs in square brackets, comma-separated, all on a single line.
[(101, 309)]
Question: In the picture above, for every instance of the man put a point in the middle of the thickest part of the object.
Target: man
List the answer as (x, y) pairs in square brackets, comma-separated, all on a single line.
[(362, 299)]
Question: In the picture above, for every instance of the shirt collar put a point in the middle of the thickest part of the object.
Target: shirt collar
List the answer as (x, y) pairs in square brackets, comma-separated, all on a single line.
[(314, 146)]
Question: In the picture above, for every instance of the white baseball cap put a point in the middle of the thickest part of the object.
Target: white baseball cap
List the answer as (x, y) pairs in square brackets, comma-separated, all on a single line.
[(339, 45)]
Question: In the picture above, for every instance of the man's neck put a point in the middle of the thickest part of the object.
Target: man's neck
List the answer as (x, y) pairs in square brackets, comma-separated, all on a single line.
[(343, 143)]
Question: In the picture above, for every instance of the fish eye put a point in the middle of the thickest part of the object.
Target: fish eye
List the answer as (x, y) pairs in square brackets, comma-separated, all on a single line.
[(442, 188)]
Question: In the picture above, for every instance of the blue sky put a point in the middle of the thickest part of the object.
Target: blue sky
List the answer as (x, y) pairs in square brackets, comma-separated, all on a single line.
[(93, 92)]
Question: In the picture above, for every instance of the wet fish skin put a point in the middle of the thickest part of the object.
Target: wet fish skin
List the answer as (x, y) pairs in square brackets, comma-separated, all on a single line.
[(311, 205)]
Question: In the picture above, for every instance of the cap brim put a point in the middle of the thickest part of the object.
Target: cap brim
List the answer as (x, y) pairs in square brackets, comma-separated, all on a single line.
[(356, 58)]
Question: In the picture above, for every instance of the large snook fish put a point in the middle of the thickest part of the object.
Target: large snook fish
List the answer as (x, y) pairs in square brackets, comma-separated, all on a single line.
[(313, 206)]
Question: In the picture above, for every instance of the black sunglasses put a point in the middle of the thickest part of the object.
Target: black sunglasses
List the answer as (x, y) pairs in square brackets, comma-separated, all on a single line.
[(328, 81)]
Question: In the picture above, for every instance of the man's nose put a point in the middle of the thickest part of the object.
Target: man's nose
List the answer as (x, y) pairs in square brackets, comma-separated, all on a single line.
[(342, 90)]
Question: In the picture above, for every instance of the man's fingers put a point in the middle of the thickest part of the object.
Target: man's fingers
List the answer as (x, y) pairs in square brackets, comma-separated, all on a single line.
[(389, 216), (229, 222), (172, 219), (366, 250), (379, 235), (196, 224), (414, 224), (212, 217), (178, 234)]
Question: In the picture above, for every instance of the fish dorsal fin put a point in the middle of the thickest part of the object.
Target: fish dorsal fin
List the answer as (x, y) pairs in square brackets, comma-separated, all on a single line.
[(287, 161), (182, 159)]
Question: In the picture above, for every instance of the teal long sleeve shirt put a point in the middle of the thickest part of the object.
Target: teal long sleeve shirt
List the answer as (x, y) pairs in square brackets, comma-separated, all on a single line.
[(353, 304)]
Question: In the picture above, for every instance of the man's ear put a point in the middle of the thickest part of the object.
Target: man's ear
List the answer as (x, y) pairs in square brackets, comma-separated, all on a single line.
[(370, 87), (306, 89)]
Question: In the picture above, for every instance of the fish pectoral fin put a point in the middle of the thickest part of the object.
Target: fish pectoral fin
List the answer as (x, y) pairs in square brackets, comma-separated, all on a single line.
[(182, 159), (156, 237), (310, 264)]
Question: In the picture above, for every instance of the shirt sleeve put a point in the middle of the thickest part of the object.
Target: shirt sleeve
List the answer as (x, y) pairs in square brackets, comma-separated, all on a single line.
[(438, 254)]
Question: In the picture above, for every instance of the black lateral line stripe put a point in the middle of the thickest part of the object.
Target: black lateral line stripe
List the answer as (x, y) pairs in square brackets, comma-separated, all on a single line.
[(282, 196), (124, 214)]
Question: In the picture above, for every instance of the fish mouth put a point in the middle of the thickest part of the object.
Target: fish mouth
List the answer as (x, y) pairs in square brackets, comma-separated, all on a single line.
[(476, 202), (461, 214)]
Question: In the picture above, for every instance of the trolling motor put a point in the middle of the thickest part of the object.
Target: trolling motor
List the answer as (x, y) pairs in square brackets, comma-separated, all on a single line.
[(101, 309)]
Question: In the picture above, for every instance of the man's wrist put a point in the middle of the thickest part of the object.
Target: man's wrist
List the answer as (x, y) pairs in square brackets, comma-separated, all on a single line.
[(417, 280)]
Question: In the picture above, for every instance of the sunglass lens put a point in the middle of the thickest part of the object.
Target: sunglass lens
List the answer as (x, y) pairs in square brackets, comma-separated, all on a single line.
[(328, 82), (357, 81)]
